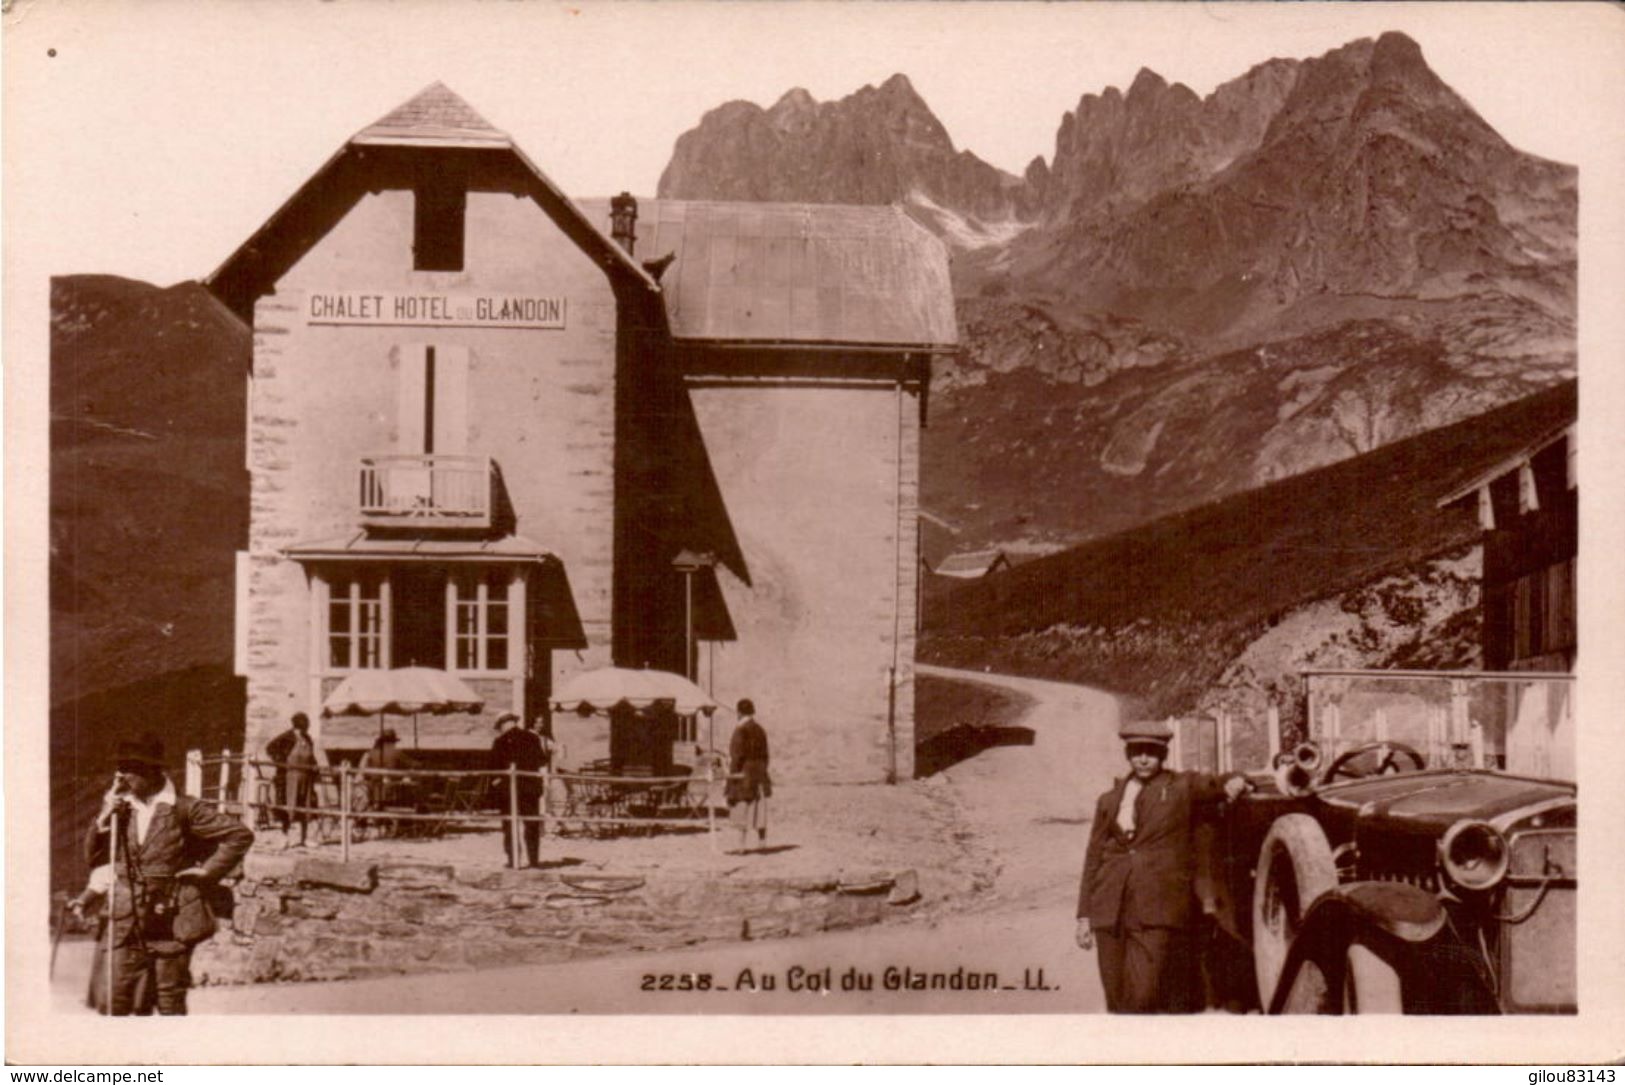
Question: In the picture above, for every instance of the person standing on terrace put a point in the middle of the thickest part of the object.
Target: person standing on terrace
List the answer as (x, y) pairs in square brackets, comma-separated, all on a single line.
[(749, 784)]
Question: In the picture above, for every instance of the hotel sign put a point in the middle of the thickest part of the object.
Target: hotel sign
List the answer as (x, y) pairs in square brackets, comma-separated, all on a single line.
[(434, 310)]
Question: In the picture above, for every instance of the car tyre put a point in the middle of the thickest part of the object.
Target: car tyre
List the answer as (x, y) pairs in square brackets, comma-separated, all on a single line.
[(1294, 868)]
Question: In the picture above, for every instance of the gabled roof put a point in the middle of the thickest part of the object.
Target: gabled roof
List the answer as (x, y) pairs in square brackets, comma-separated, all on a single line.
[(797, 273), (434, 118)]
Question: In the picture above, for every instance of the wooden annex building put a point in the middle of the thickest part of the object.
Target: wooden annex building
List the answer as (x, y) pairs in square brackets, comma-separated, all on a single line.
[(508, 435), (1529, 511)]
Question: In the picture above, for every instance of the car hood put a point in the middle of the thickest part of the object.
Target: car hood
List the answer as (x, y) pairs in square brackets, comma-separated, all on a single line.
[(1438, 799)]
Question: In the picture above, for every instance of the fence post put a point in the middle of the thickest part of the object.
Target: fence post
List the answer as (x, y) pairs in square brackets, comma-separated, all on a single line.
[(194, 773), (710, 795), (245, 797), (1272, 730), (547, 792), (345, 789), (223, 794), (514, 814), (1223, 756)]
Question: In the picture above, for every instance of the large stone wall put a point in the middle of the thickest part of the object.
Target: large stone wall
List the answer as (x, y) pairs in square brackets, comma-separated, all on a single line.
[(307, 920), (821, 483)]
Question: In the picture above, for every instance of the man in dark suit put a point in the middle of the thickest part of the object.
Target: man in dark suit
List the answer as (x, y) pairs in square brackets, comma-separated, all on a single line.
[(521, 748), (157, 854), (1136, 904)]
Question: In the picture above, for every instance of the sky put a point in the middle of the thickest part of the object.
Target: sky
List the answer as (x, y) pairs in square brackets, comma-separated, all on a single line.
[(150, 139)]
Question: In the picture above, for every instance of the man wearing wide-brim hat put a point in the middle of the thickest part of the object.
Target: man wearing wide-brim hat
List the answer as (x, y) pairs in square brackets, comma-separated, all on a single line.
[(519, 747), (1137, 901), (158, 854)]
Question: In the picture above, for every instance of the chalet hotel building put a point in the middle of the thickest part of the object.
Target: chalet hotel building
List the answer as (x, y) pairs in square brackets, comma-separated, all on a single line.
[(498, 432)]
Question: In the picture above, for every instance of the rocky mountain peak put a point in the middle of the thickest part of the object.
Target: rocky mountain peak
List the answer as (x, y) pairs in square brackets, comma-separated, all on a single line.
[(1146, 83), (797, 99), (880, 144)]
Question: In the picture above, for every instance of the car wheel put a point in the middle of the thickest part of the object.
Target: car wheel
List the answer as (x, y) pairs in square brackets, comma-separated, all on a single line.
[(1294, 868)]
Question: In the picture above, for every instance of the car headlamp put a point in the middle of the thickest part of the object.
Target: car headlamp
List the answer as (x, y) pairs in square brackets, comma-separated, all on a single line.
[(1474, 855)]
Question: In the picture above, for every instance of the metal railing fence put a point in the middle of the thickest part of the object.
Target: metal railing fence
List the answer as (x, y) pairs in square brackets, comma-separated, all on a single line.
[(366, 799)]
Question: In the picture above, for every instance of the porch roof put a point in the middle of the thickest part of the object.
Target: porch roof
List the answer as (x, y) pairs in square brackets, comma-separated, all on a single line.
[(361, 546)]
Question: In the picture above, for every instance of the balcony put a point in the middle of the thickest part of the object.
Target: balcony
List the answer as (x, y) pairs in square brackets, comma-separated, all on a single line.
[(433, 492)]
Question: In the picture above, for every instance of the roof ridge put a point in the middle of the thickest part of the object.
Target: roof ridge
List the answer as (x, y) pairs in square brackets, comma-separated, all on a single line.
[(436, 111)]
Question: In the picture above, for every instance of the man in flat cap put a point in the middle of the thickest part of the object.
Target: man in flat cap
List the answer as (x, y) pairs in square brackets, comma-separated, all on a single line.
[(1136, 904), (519, 747), (158, 854)]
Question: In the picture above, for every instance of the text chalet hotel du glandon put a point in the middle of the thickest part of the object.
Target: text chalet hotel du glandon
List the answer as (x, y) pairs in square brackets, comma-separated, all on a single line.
[(458, 310)]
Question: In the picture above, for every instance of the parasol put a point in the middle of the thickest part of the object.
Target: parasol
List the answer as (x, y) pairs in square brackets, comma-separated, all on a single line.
[(404, 691), (602, 689)]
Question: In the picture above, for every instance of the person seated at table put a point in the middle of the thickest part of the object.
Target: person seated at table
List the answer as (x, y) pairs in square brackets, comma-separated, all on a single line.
[(386, 753)]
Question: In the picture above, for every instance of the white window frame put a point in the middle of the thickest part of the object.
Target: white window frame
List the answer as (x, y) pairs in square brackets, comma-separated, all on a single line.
[(347, 591), (469, 591)]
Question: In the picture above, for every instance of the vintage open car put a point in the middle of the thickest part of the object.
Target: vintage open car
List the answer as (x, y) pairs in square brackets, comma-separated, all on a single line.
[(1370, 881)]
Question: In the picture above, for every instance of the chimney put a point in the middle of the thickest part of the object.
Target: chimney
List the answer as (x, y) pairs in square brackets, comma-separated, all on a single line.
[(623, 221)]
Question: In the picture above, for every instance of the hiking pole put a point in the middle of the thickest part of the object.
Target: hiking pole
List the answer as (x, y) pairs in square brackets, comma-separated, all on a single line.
[(56, 936), (112, 899)]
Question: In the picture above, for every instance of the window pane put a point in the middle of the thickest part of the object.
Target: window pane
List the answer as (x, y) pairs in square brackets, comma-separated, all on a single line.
[(338, 616), (496, 653)]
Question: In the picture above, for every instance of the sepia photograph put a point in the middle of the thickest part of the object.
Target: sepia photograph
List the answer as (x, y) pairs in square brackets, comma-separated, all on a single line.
[(950, 526)]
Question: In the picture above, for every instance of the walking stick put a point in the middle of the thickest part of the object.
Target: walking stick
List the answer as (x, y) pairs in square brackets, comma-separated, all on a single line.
[(112, 900), (56, 937)]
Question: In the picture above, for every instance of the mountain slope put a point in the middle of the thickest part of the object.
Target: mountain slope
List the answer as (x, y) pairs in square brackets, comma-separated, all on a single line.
[(1372, 180), (148, 502), (1160, 610), (1195, 295)]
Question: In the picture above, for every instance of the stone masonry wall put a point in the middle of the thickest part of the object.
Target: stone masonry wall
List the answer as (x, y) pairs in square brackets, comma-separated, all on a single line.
[(313, 919), (821, 483)]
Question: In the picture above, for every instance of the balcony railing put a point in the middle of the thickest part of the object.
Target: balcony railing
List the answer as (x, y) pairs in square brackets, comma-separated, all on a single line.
[(426, 491)]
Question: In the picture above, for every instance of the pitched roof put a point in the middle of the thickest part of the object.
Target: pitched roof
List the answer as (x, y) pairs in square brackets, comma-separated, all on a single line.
[(1538, 441), (797, 273), (434, 118), (434, 115)]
